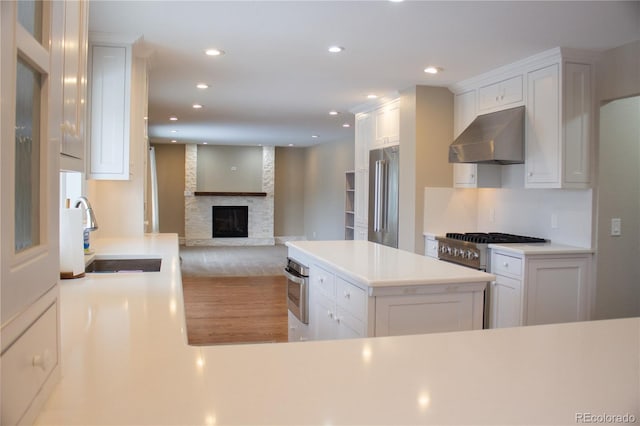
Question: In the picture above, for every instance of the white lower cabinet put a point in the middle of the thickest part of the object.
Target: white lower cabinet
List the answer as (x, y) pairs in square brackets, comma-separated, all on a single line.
[(506, 302), (539, 289), (342, 309), (30, 366), (298, 331), (337, 308)]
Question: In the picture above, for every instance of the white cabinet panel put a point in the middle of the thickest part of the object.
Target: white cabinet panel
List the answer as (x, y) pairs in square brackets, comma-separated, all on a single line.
[(398, 315), (543, 127), (557, 291), (74, 85), (506, 302), (577, 124), (110, 106), (387, 124)]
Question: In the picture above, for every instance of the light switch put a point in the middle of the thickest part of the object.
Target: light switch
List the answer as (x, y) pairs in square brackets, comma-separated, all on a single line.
[(616, 227)]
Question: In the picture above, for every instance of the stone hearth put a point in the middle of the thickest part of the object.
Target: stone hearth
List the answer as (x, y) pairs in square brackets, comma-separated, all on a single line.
[(198, 211)]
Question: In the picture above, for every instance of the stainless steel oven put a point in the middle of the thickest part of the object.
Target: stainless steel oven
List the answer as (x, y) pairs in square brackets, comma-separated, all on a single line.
[(297, 289)]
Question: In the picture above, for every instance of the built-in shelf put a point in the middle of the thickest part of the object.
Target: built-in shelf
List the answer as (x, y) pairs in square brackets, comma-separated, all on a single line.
[(349, 205), (231, 194)]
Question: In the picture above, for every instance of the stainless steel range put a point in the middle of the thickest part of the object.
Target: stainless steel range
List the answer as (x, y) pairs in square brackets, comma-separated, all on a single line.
[(471, 249)]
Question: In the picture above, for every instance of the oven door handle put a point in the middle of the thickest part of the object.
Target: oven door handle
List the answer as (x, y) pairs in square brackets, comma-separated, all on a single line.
[(295, 278)]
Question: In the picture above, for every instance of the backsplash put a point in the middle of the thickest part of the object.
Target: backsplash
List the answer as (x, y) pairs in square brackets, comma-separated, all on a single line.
[(562, 216)]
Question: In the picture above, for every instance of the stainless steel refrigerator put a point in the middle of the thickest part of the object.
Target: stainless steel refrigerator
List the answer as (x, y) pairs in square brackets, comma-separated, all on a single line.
[(383, 196)]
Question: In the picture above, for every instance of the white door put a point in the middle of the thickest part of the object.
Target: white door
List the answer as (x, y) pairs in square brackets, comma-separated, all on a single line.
[(29, 154)]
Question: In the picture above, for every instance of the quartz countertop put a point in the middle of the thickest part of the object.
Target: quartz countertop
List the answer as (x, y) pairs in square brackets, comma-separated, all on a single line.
[(541, 248), (377, 265), (125, 361)]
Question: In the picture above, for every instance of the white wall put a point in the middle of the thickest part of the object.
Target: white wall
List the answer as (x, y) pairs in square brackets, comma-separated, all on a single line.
[(515, 211)]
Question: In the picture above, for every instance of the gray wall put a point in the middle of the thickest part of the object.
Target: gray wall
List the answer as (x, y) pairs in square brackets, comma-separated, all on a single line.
[(289, 192), (426, 131), (216, 164), (618, 189), (170, 172), (324, 189)]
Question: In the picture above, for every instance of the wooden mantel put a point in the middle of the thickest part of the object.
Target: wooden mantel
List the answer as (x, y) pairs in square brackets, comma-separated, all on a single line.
[(230, 194)]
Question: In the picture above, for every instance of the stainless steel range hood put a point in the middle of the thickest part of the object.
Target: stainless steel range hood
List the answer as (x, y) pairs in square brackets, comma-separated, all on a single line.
[(495, 138)]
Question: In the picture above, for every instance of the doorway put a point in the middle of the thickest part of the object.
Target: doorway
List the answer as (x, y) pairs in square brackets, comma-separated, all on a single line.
[(618, 265)]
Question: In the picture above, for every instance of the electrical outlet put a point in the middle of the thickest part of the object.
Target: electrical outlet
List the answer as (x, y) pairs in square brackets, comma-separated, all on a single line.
[(616, 227)]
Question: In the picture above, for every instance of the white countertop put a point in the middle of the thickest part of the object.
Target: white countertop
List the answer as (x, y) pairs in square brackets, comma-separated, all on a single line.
[(541, 248), (125, 361), (531, 249), (380, 266)]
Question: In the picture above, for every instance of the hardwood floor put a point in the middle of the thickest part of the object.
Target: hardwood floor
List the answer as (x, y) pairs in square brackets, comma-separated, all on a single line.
[(227, 310)]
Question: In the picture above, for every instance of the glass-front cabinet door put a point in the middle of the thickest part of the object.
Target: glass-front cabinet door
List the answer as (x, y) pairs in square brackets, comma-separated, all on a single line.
[(28, 178)]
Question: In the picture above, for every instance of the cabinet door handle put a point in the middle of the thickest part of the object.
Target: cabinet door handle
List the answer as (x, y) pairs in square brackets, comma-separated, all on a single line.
[(330, 314), (505, 264), (338, 319), (347, 295), (43, 361)]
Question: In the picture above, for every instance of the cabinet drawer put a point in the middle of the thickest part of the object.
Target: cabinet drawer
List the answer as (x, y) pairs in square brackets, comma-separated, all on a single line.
[(323, 281), (351, 298), (26, 364), (507, 265), (500, 94)]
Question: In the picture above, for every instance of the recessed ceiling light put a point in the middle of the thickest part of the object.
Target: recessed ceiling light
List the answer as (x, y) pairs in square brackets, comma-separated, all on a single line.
[(290, 144), (173, 118), (214, 52), (333, 113), (432, 70), (396, 1), (202, 86), (314, 136), (372, 96), (173, 141), (346, 125), (197, 106), (336, 49), (205, 143), (174, 131)]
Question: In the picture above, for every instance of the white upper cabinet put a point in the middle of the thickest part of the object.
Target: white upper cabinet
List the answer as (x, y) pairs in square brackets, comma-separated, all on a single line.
[(556, 87), (387, 124), (72, 146), (364, 140), (504, 94), (558, 130), (110, 67)]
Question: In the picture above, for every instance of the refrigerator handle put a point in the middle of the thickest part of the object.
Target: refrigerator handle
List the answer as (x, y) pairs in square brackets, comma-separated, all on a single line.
[(384, 207), (376, 195)]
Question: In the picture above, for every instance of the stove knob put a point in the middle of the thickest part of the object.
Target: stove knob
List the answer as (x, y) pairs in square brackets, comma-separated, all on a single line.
[(462, 253), (449, 250), (470, 254), (443, 249)]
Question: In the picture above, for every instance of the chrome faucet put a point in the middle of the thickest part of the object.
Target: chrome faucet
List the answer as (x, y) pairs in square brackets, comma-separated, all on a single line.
[(91, 224)]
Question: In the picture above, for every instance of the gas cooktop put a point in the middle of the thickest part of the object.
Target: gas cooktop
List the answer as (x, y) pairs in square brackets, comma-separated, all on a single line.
[(494, 238)]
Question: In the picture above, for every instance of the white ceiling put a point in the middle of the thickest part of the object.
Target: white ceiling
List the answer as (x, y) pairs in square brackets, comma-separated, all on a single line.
[(277, 82)]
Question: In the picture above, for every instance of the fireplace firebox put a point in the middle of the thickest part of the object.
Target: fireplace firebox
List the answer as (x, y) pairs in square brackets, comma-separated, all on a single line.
[(230, 221)]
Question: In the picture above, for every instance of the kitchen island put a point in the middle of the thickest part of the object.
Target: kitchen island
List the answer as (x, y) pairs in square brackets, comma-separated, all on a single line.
[(125, 361), (364, 289)]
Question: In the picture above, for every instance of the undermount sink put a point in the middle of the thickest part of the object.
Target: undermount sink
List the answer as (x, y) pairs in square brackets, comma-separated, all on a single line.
[(121, 265)]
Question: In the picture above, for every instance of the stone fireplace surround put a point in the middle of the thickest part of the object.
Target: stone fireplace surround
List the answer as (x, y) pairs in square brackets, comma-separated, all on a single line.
[(198, 211)]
